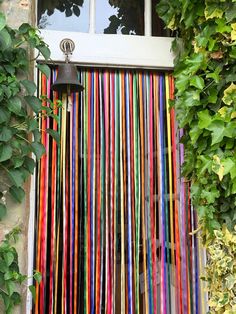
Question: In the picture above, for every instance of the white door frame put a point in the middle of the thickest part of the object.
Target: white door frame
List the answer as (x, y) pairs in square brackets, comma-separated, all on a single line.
[(101, 50)]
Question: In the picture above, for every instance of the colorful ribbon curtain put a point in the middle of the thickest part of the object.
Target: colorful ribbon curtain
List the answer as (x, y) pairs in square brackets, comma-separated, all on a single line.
[(114, 216)]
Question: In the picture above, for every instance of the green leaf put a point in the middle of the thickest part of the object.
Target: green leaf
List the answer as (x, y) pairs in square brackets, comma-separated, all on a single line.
[(210, 195), (55, 117), (233, 189), (230, 78), (22, 278), (4, 115), (5, 152), (191, 98), (37, 276), (25, 173), (197, 82), (212, 95), (24, 28), (5, 39), (218, 131), (213, 11), (17, 161), (55, 135), (8, 275), (16, 177), (190, 18), (6, 300), (2, 21), (229, 143), (182, 82), (222, 27), (34, 103), (228, 164), (44, 51), (29, 86), (37, 135), (5, 134), (14, 104), (29, 164), (202, 211), (16, 297), (44, 69), (17, 193), (8, 258), (230, 13), (232, 53), (38, 150), (32, 124), (194, 133), (233, 173), (229, 94), (194, 62), (164, 10), (215, 75), (10, 69), (10, 285), (206, 164), (204, 119), (33, 291), (3, 210)]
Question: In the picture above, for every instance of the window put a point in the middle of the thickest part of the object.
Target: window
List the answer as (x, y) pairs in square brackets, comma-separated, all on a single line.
[(64, 15), (120, 17), (133, 17)]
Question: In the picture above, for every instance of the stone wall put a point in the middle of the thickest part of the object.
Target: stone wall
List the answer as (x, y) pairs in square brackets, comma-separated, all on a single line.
[(18, 12)]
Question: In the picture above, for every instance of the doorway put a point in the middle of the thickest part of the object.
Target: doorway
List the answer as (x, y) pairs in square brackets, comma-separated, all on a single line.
[(113, 216)]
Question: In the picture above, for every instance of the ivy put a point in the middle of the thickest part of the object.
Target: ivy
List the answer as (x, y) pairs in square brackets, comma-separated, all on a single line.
[(221, 271), (10, 277), (20, 139), (19, 110), (205, 80)]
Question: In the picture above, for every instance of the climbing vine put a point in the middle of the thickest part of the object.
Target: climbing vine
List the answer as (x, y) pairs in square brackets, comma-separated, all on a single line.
[(205, 80), (10, 275), (20, 111)]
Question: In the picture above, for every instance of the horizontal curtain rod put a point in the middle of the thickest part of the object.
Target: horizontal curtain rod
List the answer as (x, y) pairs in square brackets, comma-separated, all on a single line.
[(103, 65)]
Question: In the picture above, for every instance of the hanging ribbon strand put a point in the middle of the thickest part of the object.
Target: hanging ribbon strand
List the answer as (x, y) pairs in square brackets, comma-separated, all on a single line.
[(114, 216)]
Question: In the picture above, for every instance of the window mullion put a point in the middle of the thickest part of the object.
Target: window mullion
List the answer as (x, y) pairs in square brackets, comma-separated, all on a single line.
[(148, 18), (92, 15)]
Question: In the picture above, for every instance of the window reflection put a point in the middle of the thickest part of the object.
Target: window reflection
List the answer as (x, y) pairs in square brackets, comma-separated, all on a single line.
[(158, 26), (64, 15), (120, 17)]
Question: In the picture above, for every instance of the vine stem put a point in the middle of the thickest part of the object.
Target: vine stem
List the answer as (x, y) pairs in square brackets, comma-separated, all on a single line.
[(5, 183), (23, 138), (4, 168), (3, 290), (206, 87)]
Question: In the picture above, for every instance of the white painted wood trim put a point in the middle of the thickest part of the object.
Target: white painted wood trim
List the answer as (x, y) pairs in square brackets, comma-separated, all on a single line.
[(31, 234), (113, 50), (148, 18), (92, 16), (31, 228)]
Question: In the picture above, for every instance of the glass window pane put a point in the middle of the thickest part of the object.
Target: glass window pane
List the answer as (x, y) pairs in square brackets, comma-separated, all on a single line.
[(120, 17), (158, 26), (64, 15)]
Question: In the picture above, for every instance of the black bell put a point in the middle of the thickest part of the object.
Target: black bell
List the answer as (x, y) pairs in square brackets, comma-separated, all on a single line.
[(67, 79)]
